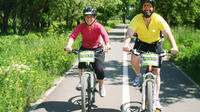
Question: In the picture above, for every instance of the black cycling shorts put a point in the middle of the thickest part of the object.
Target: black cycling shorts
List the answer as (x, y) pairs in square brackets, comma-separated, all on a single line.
[(155, 47), (98, 65)]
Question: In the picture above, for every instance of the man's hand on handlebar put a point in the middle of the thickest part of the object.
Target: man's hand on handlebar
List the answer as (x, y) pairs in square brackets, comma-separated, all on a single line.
[(126, 49), (174, 50)]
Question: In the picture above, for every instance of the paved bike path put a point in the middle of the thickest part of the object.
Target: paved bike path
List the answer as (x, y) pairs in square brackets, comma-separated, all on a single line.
[(178, 93)]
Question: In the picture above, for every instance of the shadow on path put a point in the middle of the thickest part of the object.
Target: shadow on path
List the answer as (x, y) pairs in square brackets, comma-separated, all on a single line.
[(175, 86), (73, 104)]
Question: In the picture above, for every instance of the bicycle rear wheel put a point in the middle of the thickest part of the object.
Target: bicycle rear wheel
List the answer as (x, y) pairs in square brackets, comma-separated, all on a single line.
[(149, 96), (84, 97)]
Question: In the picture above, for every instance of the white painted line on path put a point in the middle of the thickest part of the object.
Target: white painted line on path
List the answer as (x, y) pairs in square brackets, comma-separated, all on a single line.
[(125, 89), (126, 96)]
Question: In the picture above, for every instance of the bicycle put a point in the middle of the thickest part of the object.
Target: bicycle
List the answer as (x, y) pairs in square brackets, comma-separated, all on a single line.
[(149, 85), (88, 78)]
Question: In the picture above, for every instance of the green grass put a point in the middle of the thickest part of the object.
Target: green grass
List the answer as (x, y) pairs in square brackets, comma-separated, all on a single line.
[(112, 24), (29, 64), (188, 58)]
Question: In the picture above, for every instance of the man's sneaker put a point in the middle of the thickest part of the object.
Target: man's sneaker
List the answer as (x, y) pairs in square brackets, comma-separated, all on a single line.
[(102, 91), (136, 81), (157, 104), (79, 86)]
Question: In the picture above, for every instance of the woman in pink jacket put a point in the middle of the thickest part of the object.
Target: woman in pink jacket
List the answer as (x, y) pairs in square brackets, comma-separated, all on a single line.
[(91, 32)]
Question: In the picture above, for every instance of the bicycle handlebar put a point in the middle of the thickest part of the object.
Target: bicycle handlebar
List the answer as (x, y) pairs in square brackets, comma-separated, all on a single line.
[(139, 52), (76, 51)]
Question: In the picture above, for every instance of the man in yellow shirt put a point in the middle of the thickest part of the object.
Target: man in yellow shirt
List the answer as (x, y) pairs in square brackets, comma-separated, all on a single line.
[(148, 26)]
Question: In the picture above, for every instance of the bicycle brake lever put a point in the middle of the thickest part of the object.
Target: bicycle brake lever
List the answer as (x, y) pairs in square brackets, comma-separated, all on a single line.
[(135, 52)]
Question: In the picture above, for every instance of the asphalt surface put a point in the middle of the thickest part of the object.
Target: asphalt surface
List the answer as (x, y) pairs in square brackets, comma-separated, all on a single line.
[(178, 93)]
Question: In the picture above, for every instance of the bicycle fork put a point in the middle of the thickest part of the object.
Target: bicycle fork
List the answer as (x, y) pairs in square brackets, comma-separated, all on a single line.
[(148, 77), (92, 86)]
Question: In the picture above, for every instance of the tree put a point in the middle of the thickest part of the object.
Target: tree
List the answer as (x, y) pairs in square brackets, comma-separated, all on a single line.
[(108, 9), (127, 7), (181, 11), (6, 7)]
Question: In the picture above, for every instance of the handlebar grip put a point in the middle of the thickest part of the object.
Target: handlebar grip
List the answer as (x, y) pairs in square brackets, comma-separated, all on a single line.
[(75, 51)]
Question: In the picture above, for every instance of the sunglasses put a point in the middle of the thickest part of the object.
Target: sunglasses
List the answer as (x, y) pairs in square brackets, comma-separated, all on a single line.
[(147, 6)]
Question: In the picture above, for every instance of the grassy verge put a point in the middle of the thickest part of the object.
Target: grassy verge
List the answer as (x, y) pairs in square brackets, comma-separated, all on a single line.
[(112, 24), (188, 58), (29, 64)]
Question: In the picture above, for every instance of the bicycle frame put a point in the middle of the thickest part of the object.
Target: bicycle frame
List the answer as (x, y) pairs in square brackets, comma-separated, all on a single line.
[(149, 85), (88, 79)]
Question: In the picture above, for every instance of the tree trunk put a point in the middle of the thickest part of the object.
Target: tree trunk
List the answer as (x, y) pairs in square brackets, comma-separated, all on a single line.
[(4, 27), (124, 15), (124, 18), (197, 23), (15, 23)]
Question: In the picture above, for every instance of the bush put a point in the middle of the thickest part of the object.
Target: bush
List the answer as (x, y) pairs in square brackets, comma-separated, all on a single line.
[(188, 58)]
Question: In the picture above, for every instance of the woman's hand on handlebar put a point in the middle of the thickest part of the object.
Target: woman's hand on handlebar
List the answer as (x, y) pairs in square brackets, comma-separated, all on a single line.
[(107, 47), (68, 48)]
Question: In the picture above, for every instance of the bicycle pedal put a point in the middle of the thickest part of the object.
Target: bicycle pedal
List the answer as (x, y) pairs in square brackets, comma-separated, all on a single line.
[(141, 89), (78, 89), (95, 90), (93, 101)]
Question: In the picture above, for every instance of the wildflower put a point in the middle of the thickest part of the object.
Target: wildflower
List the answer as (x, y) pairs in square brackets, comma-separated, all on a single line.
[(23, 71), (16, 37), (9, 43), (39, 50), (6, 79), (20, 89), (1, 71), (21, 98), (32, 71), (64, 58)]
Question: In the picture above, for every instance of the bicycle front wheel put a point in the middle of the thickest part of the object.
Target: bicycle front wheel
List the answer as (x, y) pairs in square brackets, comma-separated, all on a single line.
[(84, 97), (149, 96)]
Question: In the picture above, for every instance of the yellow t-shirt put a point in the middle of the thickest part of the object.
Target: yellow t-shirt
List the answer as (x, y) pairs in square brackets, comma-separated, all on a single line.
[(152, 33)]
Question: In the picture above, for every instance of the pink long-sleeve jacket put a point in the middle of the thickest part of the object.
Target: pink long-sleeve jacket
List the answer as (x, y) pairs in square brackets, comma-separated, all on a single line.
[(91, 36)]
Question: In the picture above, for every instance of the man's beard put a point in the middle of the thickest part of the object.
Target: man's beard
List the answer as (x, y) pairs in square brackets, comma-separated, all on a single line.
[(147, 14)]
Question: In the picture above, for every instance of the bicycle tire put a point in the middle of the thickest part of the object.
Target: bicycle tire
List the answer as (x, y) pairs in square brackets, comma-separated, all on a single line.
[(89, 94), (149, 96), (84, 98), (91, 91)]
